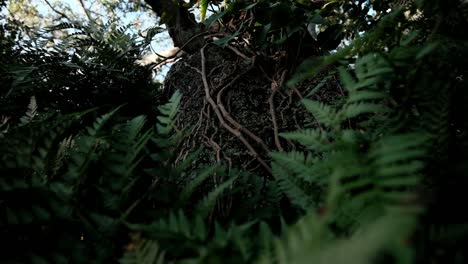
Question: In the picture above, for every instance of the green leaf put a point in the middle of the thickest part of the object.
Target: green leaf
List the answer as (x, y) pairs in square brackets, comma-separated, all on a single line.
[(213, 18), (223, 42), (199, 179), (205, 206), (426, 50), (354, 110), (314, 139), (203, 9), (323, 113)]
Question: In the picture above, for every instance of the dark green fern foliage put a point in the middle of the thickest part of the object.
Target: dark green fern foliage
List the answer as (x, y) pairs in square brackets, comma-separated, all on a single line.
[(348, 154), (90, 67), (89, 171)]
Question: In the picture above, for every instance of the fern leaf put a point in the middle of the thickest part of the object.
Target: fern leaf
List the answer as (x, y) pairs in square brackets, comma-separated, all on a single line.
[(314, 139), (132, 144), (354, 110), (82, 156), (205, 206), (372, 65), (187, 162), (298, 165), (31, 112), (364, 96), (135, 126), (397, 143), (100, 122), (168, 111), (175, 225), (348, 81), (408, 168), (368, 84), (193, 184), (294, 192), (200, 231), (399, 154), (147, 252), (400, 182), (324, 114), (307, 242), (306, 234)]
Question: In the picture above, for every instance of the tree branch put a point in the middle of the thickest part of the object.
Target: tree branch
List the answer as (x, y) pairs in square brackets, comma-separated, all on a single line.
[(57, 11), (85, 11), (180, 24)]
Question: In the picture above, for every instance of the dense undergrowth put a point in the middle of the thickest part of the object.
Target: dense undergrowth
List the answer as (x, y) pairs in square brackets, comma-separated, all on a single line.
[(87, 143)]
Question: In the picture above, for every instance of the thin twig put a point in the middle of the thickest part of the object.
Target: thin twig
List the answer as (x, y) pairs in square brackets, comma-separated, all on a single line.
[(240, 54), (85, 11), (57, 11), (298, 93), (180, 49), (274, 88)]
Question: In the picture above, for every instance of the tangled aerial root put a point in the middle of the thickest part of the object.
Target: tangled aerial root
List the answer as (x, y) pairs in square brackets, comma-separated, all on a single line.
[(235, 108)]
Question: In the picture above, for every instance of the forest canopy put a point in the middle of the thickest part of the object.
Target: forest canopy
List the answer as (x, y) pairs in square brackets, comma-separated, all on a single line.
[(235, 131)]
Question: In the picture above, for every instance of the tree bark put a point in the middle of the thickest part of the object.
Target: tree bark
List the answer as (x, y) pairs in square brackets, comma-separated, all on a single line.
[(185, 32)]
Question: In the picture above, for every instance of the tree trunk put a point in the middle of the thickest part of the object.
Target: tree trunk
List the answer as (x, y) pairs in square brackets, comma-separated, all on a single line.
[(185, 32)]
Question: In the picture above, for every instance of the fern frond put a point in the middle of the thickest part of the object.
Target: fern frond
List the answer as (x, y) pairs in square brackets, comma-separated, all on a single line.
[(31, 112), (206, 205), (100, 122), (397, 162), (176, 225), (146, 252), (184, 165), (168, 113), (309, 241), (4, 125), (372, 66), (87, 145), (365, 96), (313, 139), (64, 25), (131, 142), (393, 150), (357, 109), (324, 114), (294, 192), (307, 233), (299, 165), (199, 179)]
